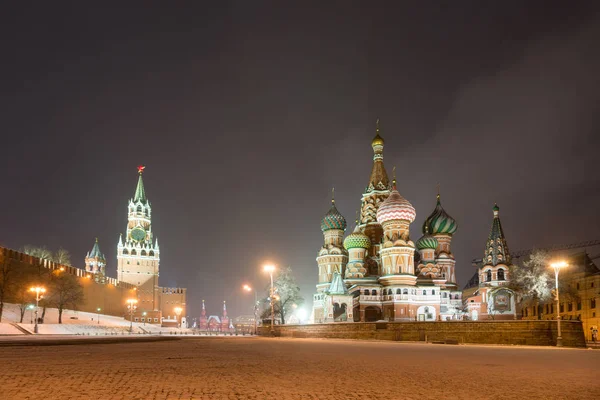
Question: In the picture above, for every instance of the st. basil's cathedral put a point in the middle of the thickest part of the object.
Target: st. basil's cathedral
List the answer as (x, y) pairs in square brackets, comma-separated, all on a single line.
[(377, 272)]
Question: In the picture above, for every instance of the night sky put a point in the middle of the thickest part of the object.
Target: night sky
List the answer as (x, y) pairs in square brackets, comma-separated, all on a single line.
[(247, 113)]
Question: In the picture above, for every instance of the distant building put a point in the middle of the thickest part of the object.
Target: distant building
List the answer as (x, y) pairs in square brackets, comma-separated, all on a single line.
[(244, 324), (377, 272), (215, 323)]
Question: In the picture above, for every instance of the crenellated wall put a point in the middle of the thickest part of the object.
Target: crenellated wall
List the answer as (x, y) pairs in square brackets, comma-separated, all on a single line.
[(109, 296)]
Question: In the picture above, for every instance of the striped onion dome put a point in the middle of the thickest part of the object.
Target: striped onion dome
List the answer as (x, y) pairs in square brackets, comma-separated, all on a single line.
[(426, 242), (439, 222), (333, 219), (357, 240), (395, 207)]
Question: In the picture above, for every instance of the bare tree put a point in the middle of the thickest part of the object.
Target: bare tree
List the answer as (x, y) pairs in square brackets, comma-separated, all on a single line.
[(39, 252), (287, 294), (62, 256), (65, 290), (7, 272), (534, 282)]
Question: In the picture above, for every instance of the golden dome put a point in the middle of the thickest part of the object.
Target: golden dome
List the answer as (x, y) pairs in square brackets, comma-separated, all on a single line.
[(377, 141)]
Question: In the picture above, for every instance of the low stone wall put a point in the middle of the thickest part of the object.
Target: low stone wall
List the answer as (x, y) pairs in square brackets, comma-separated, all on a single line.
[(535, 333)]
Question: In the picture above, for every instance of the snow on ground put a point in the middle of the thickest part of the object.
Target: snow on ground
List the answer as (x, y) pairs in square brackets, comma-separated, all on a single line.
[(8, 329), (289, 369), (76, 323)]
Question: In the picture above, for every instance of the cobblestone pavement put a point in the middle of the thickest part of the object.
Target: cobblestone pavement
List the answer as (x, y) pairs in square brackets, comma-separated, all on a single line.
[(263, 368)]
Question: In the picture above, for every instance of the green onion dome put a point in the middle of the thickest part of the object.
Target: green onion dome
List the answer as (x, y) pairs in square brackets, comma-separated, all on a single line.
[(439, 222), (357, 240), (333, 219), (426, 242)]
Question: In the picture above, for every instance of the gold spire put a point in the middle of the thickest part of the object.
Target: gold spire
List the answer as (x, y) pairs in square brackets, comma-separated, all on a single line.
[(394, 177), (332, 195)]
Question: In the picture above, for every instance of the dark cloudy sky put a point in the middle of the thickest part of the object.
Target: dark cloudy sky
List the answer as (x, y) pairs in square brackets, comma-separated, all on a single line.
[(247, 113)]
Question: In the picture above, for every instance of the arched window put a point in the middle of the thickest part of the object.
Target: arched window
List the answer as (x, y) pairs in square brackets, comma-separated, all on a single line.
[(133, 252), (374, 293), (144, 252), (500, 274), (398, 291), (125, 252), (151, 253), (367, 293), (139, 209), (433, 292), (405, 291), (444, 295), (146, 212), (488, 276), (424, 292)]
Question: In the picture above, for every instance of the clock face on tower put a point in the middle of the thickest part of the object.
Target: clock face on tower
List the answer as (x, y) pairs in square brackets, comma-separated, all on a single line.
[(138, 234)]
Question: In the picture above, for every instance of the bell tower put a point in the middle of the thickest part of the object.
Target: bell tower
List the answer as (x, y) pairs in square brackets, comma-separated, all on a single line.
[(138, 254)]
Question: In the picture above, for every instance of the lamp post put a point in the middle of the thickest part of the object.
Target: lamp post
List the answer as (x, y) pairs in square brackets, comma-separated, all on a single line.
[(131, 306), (249, 289), (144, 314), (270, 269), (30, 308), (557, 266), (178, 311), (37, 290), (98, 314)]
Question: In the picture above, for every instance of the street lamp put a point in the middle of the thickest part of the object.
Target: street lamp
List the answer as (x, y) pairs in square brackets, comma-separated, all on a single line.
[(270, 268), (144, 314), (98, 314), (30, 307), (131, 305), (557, 266), (178, 311), (249, 289), (37, 290)]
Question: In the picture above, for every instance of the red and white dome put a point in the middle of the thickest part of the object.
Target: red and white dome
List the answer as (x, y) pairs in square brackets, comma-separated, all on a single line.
[(396, 207)]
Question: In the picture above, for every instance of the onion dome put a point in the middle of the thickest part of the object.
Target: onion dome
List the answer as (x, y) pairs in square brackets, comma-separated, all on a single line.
[(395, 207), (357, 240), (439, 222), (377, 140), (427, 242), (333, 219)]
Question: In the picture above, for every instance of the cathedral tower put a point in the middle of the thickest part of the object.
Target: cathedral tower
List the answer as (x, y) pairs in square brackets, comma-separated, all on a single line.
[(138, 252), (333, 256), (375, 193), (395, 215), (441, 226)]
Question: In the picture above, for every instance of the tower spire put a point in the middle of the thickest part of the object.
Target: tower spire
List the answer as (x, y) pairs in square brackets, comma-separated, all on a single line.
[(496, 250), (378, 179), (140, 192), (333, 195)]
